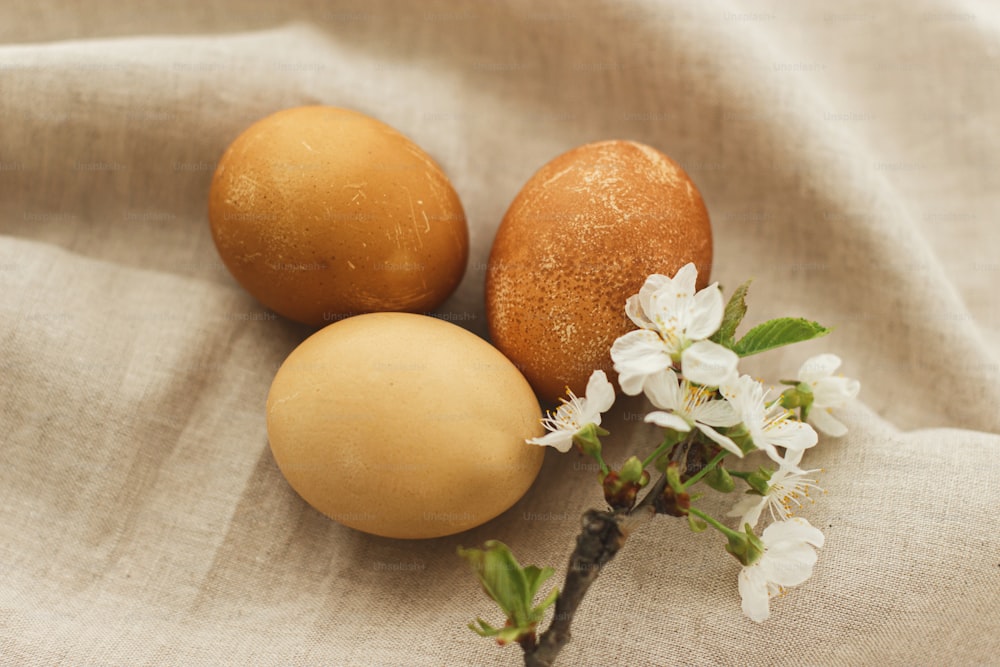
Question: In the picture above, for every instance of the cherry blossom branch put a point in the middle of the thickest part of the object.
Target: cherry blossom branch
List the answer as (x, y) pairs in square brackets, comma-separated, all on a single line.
[(602, 536)]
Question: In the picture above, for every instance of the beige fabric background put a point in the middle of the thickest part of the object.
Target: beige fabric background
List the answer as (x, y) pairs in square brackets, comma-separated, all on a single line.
[(847, 153)]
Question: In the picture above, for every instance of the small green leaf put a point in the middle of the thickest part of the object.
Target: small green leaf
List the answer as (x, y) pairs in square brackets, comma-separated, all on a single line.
[(534, 577), (736, 308), (776, 333), (500, 575), (484, 629), (720, 480), (511, 586), (696, 525), (549, 600)]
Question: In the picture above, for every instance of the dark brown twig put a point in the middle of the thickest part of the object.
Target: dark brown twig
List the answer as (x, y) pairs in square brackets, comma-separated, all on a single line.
[(603, 535)]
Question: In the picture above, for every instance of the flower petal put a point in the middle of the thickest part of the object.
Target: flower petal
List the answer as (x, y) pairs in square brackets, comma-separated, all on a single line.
[(762, 444), (795, 529), (600, 393), (706, 313), (791, 461), (668, 420), (827, 423), (638, 307), (561, 440), (788, 564), (754, 595), (715, 413), (636, 313), (743, 390), (720, 439), (791, 434), (708, 363), (670, 310), (818, 367), (749, 508), (637, 355), (685, 278), (630, 382), (663, 390), (833, 392)]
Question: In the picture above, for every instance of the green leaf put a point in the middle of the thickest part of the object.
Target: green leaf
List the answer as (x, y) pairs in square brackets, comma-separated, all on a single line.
[(696, 525), (720, 480), (549, 600), (511, 586), (484, 629), (776, 333), (500, 576), (736, 308), (534, 577)]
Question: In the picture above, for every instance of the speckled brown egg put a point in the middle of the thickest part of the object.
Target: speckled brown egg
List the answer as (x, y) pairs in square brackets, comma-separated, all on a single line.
[(581, 236), (403, 426), (322, 213)]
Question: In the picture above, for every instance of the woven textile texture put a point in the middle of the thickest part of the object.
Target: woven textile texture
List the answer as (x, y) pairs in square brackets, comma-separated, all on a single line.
[(847, 153)]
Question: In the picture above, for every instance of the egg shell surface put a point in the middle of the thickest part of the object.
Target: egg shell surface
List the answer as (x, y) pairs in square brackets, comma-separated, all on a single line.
[(404, 426), (581, 236), (322, 212)]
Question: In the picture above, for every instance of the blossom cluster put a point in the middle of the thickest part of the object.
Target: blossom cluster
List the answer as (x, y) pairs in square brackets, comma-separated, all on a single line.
[(684, 358)]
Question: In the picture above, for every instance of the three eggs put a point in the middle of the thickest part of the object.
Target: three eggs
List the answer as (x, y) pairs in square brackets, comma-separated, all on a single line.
[(400, 424)]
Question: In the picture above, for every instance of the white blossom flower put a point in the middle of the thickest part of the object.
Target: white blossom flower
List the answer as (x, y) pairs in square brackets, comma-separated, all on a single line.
[(674, 324), (786, 489), (685, 406), (769, 426), (787, 560), (575, 413), (829, 391)]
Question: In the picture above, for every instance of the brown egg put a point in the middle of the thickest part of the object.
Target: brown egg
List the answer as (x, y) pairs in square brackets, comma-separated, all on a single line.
[(403, 426), (581, 237), (322, 212)]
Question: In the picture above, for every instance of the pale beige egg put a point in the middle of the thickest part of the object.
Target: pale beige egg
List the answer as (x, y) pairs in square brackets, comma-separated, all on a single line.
[(581, 237), (321, 213), (403, 426)]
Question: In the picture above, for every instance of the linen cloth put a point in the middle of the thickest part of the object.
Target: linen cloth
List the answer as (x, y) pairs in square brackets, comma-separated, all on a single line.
[(847, 154)]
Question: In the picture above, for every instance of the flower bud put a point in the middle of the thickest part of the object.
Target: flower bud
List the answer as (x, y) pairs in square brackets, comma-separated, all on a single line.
[(799, 396), (621, 487), (632, 471)]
